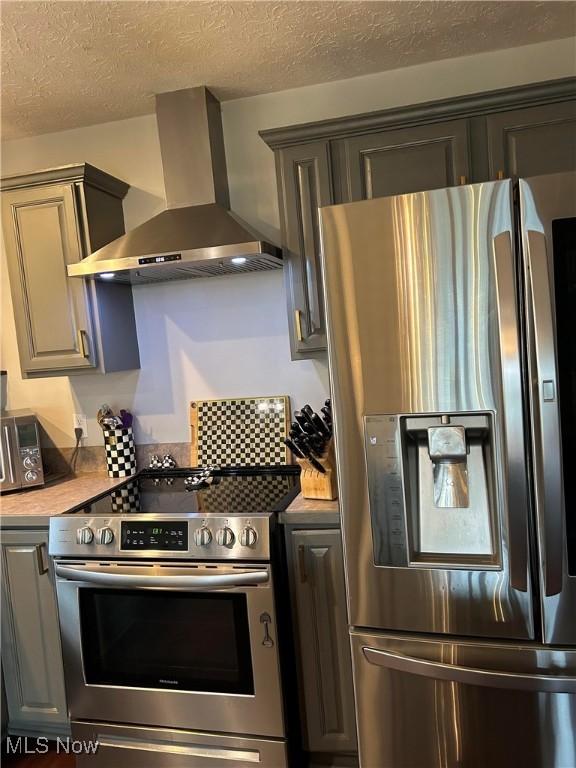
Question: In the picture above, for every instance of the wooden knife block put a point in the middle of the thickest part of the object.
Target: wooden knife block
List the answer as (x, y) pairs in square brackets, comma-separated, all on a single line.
[(316, 485)]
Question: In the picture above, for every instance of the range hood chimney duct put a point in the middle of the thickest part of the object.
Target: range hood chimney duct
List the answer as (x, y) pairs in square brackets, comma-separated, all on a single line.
[(197, 235), (191, 118)]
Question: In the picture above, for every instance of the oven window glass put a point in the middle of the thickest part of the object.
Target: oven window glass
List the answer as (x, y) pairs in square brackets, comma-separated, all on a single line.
[(564, 244), (174, 640)]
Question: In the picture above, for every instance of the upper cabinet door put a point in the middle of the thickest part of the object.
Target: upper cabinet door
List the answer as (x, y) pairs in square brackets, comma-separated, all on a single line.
[(533, 141), (51, 311), (304, 175), (400, 161)]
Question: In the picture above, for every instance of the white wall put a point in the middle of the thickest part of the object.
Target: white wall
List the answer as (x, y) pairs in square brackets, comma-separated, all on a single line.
[(226, 336)]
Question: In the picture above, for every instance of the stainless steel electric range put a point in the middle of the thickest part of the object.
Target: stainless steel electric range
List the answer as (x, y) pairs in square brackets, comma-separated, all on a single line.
[(168, 620)]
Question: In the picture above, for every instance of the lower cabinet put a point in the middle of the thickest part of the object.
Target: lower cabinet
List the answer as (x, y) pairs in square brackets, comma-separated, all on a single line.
[(31, 652), (322, 643)]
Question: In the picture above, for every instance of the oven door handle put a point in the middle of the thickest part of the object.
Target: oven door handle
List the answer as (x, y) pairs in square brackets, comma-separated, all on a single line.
[(106, 578)]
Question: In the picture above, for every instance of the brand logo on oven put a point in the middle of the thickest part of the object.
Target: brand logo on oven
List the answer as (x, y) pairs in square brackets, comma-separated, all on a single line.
[(169, 682)]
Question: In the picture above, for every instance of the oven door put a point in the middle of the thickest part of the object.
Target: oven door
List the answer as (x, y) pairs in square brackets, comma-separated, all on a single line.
[(182, 646), (9, 474)]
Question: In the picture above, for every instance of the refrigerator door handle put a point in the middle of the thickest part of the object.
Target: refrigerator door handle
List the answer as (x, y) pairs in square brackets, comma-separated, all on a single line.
[(454, 673), (545, 415), (512, 396)]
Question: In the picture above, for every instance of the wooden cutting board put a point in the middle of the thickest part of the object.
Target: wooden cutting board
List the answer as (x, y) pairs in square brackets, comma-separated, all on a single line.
[(239, 431)]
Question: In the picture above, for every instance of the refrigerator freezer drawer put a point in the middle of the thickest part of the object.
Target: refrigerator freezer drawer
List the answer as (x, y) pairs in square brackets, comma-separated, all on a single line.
[(430, 703)]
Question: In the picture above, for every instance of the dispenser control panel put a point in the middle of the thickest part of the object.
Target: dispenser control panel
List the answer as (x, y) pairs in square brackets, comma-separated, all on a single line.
[(386, 490)]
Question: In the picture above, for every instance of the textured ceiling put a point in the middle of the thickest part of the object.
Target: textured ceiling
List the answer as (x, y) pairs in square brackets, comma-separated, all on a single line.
[(68, 64)]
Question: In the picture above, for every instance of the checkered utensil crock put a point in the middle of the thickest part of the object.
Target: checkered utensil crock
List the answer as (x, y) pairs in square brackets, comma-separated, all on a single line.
[(120, 452)]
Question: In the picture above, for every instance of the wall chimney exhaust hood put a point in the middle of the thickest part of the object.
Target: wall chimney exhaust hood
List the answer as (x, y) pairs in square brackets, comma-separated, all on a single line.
[(197, 235)]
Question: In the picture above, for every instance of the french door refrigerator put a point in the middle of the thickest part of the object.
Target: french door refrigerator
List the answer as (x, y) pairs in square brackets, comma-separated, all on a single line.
[(452, 345)]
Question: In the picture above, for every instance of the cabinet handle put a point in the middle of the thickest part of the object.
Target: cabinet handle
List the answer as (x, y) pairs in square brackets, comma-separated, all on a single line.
[(500, 175), (298, 324), (42, 559), (462, 180), (82, 345), (8, 453), (302, 563)]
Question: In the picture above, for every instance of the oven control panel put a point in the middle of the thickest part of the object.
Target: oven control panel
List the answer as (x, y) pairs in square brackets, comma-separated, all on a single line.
[(171, 536), (195, 537)]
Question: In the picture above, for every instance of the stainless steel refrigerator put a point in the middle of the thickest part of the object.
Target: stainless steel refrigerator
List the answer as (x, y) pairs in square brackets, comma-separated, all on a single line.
[(452, 345)]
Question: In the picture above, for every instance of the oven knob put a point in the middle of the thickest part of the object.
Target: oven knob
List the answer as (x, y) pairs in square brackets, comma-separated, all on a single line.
[(248, 537), (30, 461), (31, 476), (202, 536), (225, 537), (105, 535), (85, 535)]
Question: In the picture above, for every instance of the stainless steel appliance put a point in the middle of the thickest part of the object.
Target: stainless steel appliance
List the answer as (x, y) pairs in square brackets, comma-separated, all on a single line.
[(168, 620), (452, 327), (20, 453), (197, 235)]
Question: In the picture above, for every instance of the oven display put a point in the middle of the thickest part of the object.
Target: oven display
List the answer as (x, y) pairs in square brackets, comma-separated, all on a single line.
[(156, 535)]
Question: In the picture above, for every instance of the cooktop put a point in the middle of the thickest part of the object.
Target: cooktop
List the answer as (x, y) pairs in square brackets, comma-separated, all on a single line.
[(223, 491)]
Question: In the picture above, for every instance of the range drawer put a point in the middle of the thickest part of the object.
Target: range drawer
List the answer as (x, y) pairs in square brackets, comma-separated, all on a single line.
[(131, 747)]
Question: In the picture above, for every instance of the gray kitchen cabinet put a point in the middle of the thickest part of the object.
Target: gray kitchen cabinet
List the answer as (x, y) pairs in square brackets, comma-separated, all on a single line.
[(533, 141), (407, 160), (323, 646), (66, 325), (31, 652), (305, 180), (522, 131)]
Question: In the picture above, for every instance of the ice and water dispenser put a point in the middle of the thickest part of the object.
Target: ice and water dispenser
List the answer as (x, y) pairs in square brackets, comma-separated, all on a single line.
[(432, 487)]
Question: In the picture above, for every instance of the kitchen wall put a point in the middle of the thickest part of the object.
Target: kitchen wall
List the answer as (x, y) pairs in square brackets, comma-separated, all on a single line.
[(225, 336)]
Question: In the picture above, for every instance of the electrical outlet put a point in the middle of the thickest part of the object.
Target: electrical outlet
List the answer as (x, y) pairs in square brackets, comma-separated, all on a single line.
[(80, 422)]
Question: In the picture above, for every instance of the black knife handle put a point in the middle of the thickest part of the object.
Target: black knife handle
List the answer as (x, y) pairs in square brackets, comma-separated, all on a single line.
[(317, 448), (321, 426), (302, 419), (315, 428), (303, 445), (295, 450), (306, 450), (316, 465), (315, 422)]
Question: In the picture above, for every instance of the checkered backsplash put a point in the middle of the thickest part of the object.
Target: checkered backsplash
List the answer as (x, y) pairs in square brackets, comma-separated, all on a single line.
[(120, 452), (240, 432)]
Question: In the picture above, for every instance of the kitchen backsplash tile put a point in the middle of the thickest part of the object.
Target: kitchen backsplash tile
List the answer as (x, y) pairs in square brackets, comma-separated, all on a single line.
[(91, 458)]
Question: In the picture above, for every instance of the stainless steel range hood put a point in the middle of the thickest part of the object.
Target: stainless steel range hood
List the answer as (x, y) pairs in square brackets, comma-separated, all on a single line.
[(197, 236)]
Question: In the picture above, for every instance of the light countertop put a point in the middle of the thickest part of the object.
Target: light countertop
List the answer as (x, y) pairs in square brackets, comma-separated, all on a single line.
[(36, 506), (311, 511)]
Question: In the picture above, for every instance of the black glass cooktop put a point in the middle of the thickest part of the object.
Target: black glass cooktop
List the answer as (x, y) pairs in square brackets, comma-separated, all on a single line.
[(245, 491)]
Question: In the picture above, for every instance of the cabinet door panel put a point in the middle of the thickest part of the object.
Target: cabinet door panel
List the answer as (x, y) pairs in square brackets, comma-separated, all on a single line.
[(323, 642), (533, 141), (31, 652), (305, 182), (408, 160), (51, 310)]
